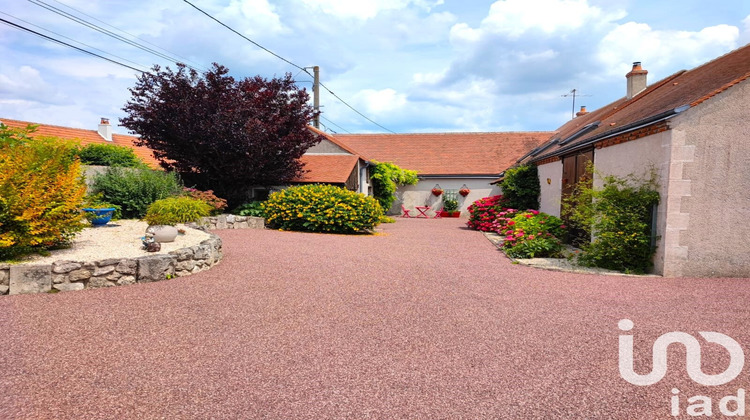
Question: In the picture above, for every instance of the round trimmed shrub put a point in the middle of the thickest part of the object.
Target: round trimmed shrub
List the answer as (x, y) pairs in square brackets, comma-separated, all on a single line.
[(322, 208), (173, 210)]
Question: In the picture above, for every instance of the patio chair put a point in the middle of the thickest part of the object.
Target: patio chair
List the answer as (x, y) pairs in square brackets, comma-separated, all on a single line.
[(437, 214), (406, 212)]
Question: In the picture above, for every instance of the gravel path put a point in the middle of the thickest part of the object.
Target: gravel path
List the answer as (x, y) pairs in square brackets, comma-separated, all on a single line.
[(426, 320)]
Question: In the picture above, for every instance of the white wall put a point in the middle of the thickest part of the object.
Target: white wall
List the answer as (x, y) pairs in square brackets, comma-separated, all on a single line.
[(551, 192), (421, 194)]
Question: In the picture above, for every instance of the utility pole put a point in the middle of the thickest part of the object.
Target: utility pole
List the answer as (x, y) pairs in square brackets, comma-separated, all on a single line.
[(316, 96)]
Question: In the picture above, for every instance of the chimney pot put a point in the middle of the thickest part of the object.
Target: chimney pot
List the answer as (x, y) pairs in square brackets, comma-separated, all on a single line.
[(582, 111), (636, 80), (105, 130)]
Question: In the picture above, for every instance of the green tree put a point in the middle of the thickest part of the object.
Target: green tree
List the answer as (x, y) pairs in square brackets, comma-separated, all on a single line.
[(521, 188)]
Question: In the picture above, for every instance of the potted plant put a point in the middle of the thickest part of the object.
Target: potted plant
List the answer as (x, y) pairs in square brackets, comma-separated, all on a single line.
[(163, 215), (464, 190), (437, 190), (99, 212), (451, 206)]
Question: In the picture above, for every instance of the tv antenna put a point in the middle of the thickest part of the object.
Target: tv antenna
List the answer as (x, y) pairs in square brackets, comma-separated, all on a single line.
[(574, 93)]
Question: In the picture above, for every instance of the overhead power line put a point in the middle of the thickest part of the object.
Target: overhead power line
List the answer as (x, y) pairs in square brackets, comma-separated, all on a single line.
[(71, 39), (185, 60), (297, 66), (23, 28), (338, 126), (104, 31)]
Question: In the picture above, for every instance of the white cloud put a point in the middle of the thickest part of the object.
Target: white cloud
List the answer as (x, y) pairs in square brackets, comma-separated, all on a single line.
[(255, 16), (365, 9), (379, 102), (657, 49), (514, 18)]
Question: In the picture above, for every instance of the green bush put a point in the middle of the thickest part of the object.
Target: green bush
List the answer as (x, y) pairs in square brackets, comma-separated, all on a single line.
[(41, 191), (173, 210), (385, 177), (532, 234), (109, 155), (619, 217), (253, 208), (322, 208), (135, 189), (521, 188)]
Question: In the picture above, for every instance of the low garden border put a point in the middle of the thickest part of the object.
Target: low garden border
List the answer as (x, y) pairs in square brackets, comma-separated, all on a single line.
[(63, 276)]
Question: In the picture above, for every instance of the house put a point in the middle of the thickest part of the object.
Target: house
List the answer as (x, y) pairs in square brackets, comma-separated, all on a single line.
[(333, 162), (693, 127), (450, 160), (102, 135)]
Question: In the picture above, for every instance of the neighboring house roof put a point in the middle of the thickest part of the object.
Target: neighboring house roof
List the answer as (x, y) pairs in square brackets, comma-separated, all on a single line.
[(86, 137), (661, 100), (327, 169), (443, 154)]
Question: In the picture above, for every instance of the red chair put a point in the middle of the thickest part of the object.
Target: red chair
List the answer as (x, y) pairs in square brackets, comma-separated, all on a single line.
[(406, 212), (437, 214)]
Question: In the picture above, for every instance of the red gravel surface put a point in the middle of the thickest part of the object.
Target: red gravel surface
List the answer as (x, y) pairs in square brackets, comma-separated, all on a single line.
[(426, 320)]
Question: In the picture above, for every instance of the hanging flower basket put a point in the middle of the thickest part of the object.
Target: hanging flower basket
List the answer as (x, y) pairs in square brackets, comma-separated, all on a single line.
[(436, 190), (464, 191)]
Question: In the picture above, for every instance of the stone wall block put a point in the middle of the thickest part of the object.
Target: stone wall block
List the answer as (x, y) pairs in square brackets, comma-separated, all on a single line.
[(103, 271), (68, 287), (4, 276), (155, 268), (108, 261), (64, 267), (128, 267), (126, 280), (186, 265), (182, 254), (79, 275), (98, 282), (30, 279)]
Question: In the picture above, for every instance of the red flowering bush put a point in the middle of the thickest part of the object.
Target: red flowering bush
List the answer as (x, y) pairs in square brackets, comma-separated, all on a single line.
[(217, 204), (483, 213), (532, 234)]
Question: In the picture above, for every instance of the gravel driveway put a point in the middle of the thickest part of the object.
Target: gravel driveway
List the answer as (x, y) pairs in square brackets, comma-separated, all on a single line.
[(426, 320)]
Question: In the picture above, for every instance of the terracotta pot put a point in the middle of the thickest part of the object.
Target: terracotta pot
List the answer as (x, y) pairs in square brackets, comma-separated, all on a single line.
[(163, 233)]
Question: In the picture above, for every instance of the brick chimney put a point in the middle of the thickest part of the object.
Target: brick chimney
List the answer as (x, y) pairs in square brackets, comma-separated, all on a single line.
[(636, 80), (582, 111), (105, 130)]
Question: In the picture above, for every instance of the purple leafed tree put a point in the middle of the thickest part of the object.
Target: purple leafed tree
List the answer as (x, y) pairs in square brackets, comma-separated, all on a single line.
[(220, 133)]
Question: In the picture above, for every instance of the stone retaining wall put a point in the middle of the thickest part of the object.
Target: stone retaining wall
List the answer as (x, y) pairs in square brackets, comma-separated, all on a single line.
[(76, 275), (230, 221)]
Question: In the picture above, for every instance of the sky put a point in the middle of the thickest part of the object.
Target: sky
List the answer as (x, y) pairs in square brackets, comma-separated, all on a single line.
[(408, 65)]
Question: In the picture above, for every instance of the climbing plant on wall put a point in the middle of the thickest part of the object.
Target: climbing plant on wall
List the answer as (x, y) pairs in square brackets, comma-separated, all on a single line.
[(385, 178)]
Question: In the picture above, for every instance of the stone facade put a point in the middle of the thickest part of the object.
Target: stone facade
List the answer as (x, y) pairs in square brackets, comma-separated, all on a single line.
[(230, 221), (66, 276)]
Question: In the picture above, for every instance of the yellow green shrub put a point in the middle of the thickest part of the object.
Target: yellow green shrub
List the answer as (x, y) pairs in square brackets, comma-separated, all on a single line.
[(322, 208), (41, 191)]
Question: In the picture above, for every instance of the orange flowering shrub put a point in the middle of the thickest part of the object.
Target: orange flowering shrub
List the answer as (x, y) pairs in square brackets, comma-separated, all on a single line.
[(41, 191)]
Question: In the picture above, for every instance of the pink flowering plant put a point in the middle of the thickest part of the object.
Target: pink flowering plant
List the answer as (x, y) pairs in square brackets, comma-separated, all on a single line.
[(533, 234), (217, 204), (483, 213)]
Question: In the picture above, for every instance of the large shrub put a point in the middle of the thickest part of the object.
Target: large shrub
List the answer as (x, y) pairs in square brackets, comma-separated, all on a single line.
[(521, 187), (253, 208), (41, 191), (173, 210), (222, 133), (322, 208), (618, 216), (109, 155), (483, 213), (532, 234), (385, 178), (135, 189)]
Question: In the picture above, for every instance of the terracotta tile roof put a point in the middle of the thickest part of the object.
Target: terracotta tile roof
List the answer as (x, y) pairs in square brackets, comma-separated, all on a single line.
[(86, 137), (447, 153), (327, 169), (334, 140), (691, 87)]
